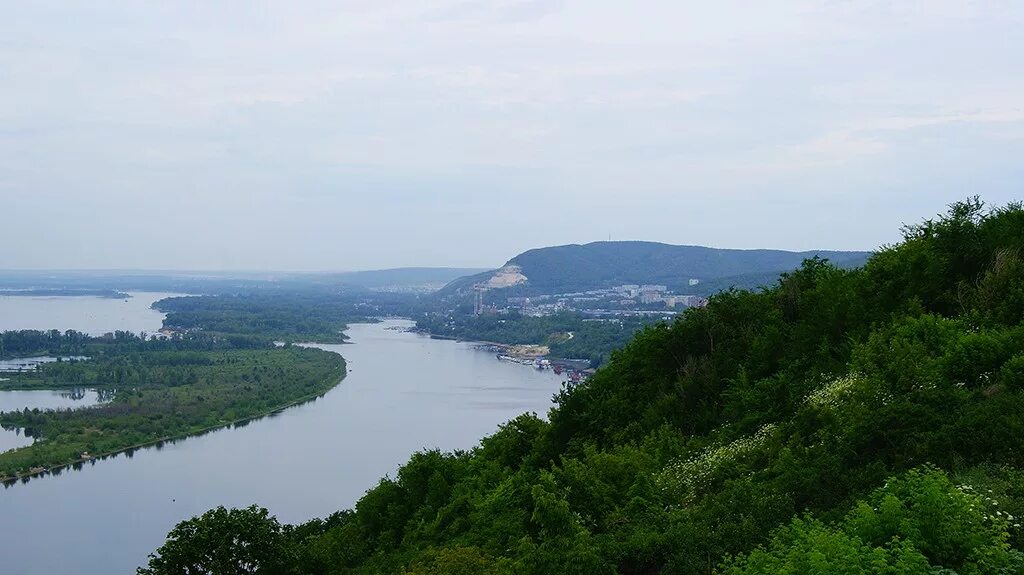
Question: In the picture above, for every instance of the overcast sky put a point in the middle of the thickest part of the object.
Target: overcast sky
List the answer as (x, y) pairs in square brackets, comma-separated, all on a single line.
[(368, 134)]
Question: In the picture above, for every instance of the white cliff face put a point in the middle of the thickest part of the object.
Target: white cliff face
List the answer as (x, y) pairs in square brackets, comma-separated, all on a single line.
[(507, 276)]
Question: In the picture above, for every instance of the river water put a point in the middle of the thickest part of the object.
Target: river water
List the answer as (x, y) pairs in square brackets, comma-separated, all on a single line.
[(91, 315), (405, 392)]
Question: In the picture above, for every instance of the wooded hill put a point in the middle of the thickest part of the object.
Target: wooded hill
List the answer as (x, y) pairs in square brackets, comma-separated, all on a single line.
[(598, 265), (861, 420)]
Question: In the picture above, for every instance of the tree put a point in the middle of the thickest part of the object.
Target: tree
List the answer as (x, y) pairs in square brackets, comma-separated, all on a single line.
[(224, 542)]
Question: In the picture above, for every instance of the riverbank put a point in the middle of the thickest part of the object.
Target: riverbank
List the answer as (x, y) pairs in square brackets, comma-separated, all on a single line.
[(522, 351), (568, 335), (172, 395), (536, 356), (41, 471)]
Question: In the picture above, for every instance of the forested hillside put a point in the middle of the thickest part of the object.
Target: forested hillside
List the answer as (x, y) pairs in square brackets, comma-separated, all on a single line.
[(596, 265), (861, 420)]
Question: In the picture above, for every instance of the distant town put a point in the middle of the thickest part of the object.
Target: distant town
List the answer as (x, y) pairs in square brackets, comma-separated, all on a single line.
[(629, 300)]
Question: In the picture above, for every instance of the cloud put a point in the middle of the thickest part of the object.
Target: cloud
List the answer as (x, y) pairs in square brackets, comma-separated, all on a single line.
[(851, 144), (493, 11), (530, 10), (388, 124)]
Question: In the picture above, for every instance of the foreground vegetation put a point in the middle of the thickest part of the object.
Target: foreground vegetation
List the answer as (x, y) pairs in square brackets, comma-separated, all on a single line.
[(842, 421), (161, 389)]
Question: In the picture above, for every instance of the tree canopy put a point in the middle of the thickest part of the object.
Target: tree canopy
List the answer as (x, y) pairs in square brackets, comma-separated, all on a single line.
[(860, 420)]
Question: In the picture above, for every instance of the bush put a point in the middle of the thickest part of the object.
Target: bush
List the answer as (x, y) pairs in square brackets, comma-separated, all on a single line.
[(917, 523), (1012, 373)]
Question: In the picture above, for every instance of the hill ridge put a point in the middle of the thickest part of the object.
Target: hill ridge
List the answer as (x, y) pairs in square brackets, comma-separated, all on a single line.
[(579, 267)]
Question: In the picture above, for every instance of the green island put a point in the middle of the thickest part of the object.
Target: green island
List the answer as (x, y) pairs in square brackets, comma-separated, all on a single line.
[(159, 389), (861, 420), (290, 318), (309, 314)]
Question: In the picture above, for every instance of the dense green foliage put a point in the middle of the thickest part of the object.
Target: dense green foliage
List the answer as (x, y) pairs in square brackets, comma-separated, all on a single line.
[(911, 524), (842, 421), (161, 389), (225, 542), (590, 339), (28, 342), (286, 317), (290, 316)]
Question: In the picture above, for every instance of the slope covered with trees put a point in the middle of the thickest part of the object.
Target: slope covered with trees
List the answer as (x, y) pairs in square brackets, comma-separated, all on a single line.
[(570, 268), (845, 420)]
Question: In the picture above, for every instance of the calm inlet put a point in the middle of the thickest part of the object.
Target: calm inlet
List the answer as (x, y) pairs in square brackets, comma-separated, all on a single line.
[(405, 392)]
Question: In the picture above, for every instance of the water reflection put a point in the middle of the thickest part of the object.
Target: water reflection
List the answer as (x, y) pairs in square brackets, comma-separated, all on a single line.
[(42, 399), (13, 438), (23, 364), (66, 398)]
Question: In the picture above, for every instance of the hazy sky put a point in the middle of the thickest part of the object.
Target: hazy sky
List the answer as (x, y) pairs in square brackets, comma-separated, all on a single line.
[(367, 134)]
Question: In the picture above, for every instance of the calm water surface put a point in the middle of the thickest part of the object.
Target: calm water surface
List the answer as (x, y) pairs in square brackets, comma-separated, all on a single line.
[(405, 392), (23, 364), (91, 315), (48, 399)]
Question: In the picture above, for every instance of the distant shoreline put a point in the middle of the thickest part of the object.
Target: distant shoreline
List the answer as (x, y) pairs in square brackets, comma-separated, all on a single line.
[(9, 480), (61, 292), (508, 349)]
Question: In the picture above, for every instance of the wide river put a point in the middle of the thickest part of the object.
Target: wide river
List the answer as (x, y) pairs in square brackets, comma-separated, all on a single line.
[(92, 315), (404, 392)]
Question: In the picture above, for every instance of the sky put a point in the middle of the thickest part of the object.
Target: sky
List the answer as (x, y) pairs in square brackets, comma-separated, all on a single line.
[(356, 134)]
